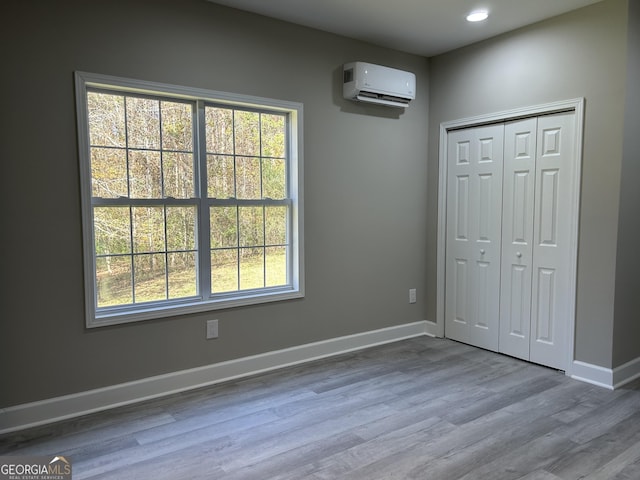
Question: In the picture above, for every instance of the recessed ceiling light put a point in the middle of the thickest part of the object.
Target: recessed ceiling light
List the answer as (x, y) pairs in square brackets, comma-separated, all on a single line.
[(477, 16)]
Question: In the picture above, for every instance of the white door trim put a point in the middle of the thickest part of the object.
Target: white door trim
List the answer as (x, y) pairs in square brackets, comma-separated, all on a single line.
[(576, 105)]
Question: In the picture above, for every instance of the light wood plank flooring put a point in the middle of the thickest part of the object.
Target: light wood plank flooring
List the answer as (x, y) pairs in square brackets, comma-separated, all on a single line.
[(425, 408)]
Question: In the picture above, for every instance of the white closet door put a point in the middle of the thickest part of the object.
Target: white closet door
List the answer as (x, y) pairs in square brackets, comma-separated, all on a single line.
[(474, 191), (552, 249), (517, 236), (510, 191)]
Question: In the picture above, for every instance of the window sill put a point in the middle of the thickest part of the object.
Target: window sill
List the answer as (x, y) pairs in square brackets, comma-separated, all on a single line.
[(157, 312)]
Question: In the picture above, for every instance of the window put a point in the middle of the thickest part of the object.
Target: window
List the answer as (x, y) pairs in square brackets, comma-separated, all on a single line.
[(191, 199)]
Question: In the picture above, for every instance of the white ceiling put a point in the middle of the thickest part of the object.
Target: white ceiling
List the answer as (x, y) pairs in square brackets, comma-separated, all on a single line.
[(423, 27)]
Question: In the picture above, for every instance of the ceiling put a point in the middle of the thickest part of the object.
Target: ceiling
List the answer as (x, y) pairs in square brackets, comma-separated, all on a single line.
[(423, 27)]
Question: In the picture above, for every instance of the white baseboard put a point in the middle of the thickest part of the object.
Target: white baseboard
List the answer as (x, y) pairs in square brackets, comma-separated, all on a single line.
[(606, 377), (432, 329), (626, 373), (68, 406), (593, 374)]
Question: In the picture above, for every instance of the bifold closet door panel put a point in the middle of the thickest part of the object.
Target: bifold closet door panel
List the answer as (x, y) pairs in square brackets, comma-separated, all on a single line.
[(517, 236), (474, 205), (552, 248)]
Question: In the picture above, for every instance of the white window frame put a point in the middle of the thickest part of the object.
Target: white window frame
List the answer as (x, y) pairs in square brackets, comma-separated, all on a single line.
[(204, 302)]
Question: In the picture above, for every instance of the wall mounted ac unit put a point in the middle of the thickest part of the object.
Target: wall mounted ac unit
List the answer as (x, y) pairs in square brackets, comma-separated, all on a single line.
[(366, 82)]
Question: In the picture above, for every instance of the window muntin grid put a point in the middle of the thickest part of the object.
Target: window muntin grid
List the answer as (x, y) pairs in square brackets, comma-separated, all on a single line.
[(249, 205), (141, 150)]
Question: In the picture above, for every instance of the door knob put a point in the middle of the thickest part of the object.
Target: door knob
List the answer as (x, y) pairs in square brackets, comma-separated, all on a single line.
[(482, 251), (519, 254)]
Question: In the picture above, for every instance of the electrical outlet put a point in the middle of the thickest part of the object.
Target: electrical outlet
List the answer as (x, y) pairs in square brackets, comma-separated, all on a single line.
[(412, 295), (212, 329)]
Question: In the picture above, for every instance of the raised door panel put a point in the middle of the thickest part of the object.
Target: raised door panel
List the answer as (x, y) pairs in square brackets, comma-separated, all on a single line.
[(460, 313), (517, 237)]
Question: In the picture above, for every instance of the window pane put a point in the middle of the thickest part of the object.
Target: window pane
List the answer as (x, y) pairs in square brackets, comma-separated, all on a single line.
[(109, 172), (144, 174), (224, 270), (148, 229), (177, 126), (273, 139), (276, 266), (251, 268), (112, 230), (220, 176), (276, 225), (248, 178), (247, 133), (113, 281), (149, 278), (224, 227), (182, 273), (106, 119), (177, 171), (274, 178), (219, 126), (251, 226), (143, 123), (181, 228)]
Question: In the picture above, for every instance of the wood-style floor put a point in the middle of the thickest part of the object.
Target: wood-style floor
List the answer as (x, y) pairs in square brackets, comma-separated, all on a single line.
[(424, 408)]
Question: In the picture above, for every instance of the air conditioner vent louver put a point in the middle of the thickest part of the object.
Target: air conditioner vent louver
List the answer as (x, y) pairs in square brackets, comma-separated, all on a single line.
[(382, 96)]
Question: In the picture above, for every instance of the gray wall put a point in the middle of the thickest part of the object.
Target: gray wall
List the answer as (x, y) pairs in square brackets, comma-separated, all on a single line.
[(626, 346), (371, 195), (365, 187), (580, 54)]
